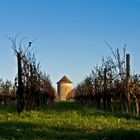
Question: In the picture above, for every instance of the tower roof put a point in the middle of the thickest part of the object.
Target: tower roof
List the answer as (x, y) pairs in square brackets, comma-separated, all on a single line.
[(64, 80)]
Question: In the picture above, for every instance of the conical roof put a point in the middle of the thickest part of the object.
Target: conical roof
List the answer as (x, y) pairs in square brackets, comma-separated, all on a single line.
[(64, 79)]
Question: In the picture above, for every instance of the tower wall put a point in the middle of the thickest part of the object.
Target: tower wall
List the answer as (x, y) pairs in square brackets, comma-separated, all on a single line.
[(63, 90)]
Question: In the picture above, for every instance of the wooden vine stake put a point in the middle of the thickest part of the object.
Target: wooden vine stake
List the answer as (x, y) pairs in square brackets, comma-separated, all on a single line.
[(127, 83)]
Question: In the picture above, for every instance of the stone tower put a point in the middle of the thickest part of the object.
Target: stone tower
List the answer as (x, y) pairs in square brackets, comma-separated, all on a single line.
[(64, 87)]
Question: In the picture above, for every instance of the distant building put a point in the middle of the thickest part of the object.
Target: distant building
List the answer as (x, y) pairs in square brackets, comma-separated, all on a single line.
[(64, 87)]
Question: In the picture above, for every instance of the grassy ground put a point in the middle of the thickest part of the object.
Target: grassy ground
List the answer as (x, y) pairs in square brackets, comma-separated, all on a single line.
[(66, 120)]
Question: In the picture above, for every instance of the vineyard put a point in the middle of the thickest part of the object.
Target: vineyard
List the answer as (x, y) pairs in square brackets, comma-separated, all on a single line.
[(105, 104), (111, 86), (32, 87)]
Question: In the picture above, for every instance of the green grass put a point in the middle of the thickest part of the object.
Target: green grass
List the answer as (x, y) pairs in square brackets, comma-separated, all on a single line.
[(66, 120)]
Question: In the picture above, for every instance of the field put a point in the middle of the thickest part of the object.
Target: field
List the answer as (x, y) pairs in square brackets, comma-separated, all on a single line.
[(66, 120)]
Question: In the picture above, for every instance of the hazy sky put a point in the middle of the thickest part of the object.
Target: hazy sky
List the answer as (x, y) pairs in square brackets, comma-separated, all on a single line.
[(70, 33)]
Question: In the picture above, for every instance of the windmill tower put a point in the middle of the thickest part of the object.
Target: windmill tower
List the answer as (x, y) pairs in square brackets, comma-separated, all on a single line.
[(64, 87)]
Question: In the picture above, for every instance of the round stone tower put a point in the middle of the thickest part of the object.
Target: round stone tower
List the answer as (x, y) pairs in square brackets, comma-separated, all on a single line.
[(64, 87)]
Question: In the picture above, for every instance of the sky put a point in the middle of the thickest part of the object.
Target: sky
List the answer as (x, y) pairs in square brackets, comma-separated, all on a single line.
[(70, 34)]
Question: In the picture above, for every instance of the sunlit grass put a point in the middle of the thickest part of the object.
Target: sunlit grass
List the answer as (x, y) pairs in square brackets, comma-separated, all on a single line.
[(66, 120)]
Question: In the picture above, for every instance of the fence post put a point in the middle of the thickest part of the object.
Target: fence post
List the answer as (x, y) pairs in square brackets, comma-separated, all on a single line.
[(127, 83)]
